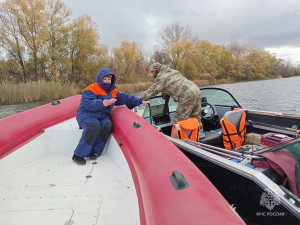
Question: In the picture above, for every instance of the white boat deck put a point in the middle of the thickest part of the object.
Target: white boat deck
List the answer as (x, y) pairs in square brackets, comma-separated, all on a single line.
[(40, 184)]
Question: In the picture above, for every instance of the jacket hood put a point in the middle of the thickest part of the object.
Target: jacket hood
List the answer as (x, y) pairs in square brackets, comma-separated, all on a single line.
[(163, 68), (102, 73)]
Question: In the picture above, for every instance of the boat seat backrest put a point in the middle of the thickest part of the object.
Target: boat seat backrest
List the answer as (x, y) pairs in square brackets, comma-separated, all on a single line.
[(186, 129), (234, 117), (187, 132), (233, 129)]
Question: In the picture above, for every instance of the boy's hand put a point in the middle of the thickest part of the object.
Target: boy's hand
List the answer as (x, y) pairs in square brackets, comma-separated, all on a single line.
[(108, 102), (113, 100)]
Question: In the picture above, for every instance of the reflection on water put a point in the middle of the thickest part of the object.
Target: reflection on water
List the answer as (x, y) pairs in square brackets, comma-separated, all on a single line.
[(278, 95)]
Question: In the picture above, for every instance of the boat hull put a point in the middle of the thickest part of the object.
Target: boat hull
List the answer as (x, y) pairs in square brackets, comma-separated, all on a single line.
[(153, 163), (169, 188)]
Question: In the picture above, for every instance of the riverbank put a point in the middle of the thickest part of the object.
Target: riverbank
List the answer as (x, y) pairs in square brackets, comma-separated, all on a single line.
[(251, 94), (49, 91)]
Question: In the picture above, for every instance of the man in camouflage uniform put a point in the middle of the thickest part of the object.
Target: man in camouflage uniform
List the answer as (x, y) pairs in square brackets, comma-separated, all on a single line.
[(173, 83)]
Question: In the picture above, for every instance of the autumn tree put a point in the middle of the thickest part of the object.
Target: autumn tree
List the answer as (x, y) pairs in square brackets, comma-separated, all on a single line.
[(236, 50), (84, 49), (41, 37), (160, 56), (54, 35), (40, 40), (10, 39), (224, 62), (28, 28), (207, 60), (174, 32), (204, 60), (171, 34), (183, 55), (30, 17), (128, 62)]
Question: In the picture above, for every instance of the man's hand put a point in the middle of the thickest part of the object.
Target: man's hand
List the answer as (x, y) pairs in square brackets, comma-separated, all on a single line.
[(146, 102), (166, 97)]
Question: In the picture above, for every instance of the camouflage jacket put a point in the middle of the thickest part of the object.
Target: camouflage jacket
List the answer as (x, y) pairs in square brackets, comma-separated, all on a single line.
[(173, 83)]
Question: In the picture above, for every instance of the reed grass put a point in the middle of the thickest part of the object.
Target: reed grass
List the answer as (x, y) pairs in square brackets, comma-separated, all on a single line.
[(35, 91), (133, 88), (11, 93), (200, 83)]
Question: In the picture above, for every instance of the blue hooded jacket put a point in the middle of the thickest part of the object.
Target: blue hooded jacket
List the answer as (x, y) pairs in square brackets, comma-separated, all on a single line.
[(91, 104)]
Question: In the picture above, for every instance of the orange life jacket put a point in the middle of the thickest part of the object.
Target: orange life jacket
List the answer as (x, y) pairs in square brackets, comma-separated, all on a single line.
[(233, 138), (97, 90), (186, 129)]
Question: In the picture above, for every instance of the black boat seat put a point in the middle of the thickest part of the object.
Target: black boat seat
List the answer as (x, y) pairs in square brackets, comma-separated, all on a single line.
[(211, 138)]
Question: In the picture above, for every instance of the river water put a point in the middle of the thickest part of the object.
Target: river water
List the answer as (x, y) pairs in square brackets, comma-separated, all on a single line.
[(277, 95), (7, 110)]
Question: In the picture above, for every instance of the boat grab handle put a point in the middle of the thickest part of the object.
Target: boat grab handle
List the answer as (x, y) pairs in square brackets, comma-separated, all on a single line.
[(178, 181), (54, 103), (136, 125), (289, 195)]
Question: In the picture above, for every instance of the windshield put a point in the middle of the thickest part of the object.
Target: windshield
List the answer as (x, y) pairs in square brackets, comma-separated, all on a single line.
[(157, 104), (218, 97), (214, 96)]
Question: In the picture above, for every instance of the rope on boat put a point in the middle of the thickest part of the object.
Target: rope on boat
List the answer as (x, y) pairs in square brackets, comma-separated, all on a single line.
[(221, 151)]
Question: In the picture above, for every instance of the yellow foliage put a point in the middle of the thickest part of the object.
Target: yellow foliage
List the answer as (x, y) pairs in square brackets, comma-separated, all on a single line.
[(184, 55), (128, 62)]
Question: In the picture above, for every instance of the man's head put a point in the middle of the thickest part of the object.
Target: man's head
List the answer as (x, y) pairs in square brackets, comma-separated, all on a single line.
[(154, 69)]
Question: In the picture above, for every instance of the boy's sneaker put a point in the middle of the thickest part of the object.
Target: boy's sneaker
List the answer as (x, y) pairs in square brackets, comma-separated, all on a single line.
[(93, 154), (79, 160)]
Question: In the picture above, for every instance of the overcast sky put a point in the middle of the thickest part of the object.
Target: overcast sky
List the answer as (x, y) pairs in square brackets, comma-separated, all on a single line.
[(270, 24)]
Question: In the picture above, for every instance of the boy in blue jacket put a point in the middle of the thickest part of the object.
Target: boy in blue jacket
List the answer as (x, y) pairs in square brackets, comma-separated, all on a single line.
[(93, 113)]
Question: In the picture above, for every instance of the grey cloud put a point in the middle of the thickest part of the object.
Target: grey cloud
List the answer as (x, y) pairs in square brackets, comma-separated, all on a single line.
[(254, 22)]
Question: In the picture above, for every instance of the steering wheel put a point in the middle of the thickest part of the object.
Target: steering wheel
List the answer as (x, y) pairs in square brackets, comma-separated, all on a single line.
[(207, 111)]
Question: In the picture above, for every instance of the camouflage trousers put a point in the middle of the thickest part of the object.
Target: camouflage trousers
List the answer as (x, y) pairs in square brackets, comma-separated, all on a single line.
[(189, 108)]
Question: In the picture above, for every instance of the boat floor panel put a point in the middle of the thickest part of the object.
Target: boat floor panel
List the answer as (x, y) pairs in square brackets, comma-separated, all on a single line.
[(41, 184)]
